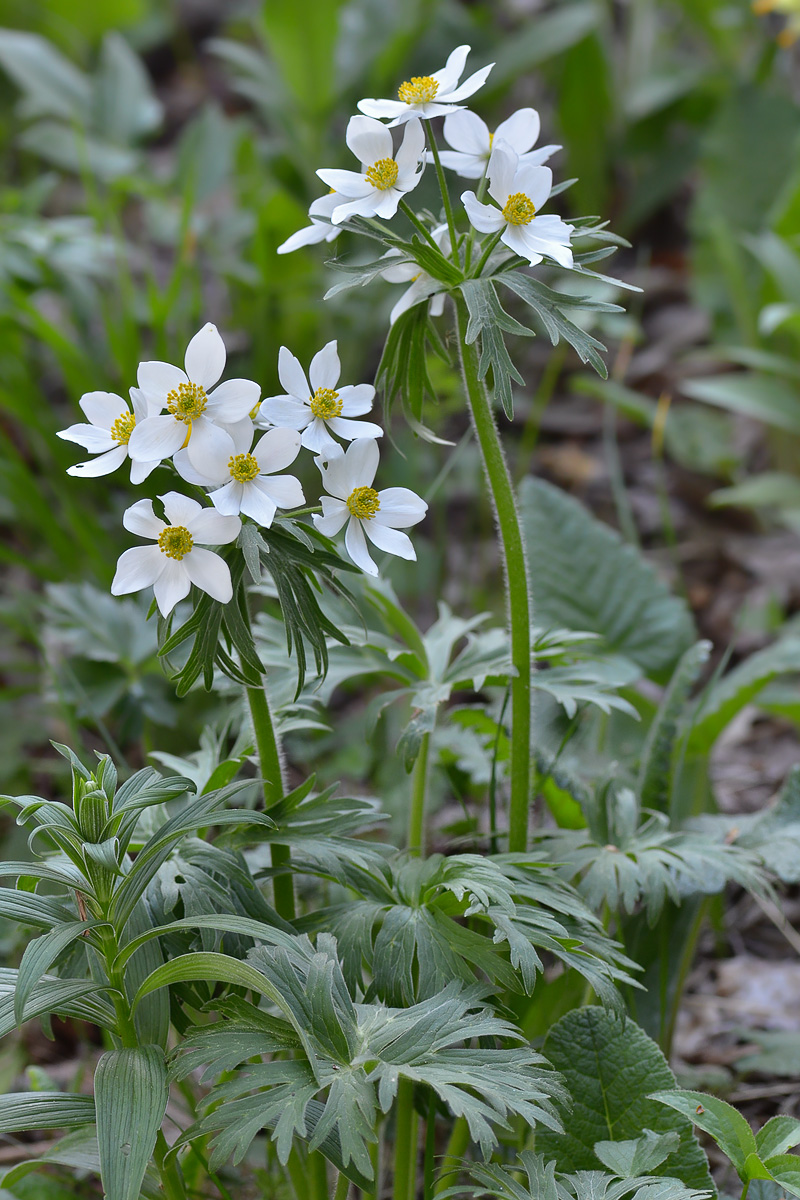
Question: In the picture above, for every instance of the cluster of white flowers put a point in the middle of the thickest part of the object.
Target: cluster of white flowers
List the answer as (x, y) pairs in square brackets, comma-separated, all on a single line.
[(518, 182), (206, 429)]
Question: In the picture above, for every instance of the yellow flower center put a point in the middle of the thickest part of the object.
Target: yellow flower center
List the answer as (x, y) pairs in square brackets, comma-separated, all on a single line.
[(382, 174), (187, 401), (519, 209), (325, 403), (243, 467), (175, 541), (122, 428), (254, 411), (364, 502), (418, 90)]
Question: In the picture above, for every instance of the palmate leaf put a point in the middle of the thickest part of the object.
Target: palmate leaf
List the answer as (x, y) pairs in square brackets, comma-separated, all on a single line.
[(549, 307), (488, 321), (542, 1183)]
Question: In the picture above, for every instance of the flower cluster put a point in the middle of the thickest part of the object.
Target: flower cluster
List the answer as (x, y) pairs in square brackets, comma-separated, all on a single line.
[(206, 429)]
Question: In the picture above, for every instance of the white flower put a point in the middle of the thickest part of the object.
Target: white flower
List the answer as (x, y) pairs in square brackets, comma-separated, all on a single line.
[(348, 478), (196, 416), (322, 407), (111, 423), (245, 482), (175, 563), (423, 285), (430, 95), (320, 229), (520, 191), (472, 142), (379, 188)]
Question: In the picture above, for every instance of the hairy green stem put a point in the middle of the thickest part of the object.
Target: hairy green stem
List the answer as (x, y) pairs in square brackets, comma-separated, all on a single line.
[(516, 578), (448, 207), (456, 1149), (269, 757), (168, 1169), (405, 1143), (487, 250), (419, 785), (414, 219), (342, 1187)]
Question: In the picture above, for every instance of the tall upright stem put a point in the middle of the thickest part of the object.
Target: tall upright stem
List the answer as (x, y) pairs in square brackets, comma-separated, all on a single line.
[(419, 784), (405, 1143), (269, 757), (516, 578), (448, 207)]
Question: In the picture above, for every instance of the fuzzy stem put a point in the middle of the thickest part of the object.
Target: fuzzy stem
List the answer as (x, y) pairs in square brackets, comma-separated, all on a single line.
[(456, 1149), (414, 219), (342, 1187), (419, 782), (516, 579), (269, 757), (405, 1143), (488, 247), (448, 207)]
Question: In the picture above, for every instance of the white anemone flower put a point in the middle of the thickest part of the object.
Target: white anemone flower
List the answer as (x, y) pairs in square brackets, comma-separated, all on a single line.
[(324, 407), (386, 177), (320, 229), (472, 142), (108, 433), (423, 286), (176, 562), (196, 416), (429, 96), (246, 483), (348, 478), (520, 192)]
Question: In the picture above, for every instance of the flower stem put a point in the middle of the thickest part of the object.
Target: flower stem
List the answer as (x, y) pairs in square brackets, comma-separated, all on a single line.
[(269, 757), (342, 1187), (419, 783), (487, 250), (405, 1143), (450, 1161), (448, 207), (516, 578), (414, 219)]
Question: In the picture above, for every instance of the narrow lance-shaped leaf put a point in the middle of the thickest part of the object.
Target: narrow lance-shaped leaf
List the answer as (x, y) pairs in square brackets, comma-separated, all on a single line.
[(131, 1092)]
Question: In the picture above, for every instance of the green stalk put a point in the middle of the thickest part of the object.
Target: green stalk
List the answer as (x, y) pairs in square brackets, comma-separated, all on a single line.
[(414, 219), (419, 783), (456, 1149), (448, 207), (516, 578), (269, 757), (342, 1187), (405, 1143)]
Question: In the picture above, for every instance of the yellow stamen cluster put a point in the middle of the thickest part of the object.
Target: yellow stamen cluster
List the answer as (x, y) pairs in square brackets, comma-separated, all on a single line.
[(382, 174), (175, 541), (364, 502), (243, 467), (325, 403), (122, 428), (519, 209), (187, 401), (418, 90)]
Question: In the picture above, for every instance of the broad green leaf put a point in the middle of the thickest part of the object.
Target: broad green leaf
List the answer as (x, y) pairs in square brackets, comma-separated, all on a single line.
[(208, 966), (779, 1134), (610, 1066), (23, 1111), (637, 1156), (130, 1088), (769, 489), (738, 688), (39, 956), (223, 923), (780, 1053), (715, 1117), (305, 51), (656, 766), (754, 1168), (762, 396), (77, 1150), (585, 578), (152, 1017), (785, 1170)]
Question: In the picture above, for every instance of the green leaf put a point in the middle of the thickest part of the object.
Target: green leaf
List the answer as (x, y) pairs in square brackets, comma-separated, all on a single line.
[(738, 688), (23, 1111), (29, 908), (609, 1067), (769, 489), (489, 320), (549, 305), (754, 1168), (656, 766), (73, 997), (779, 1134), (77, 1150), (785, 1170), (130, 1088), (721, 1121), (39, 956), (637, 1156), (762, 396), (584, 577)]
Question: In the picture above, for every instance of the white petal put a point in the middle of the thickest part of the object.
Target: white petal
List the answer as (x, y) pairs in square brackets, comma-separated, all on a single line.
[(140, 470), (362, 458), (520, 130), (501, 171), (366, 206), (356, 547), (210, 573), (469, 86), (535, 182), (411, 148), (381, 108), (141, 520), (419, 290), (283, 490), (208, 444), (186, 471), (390, 540), (103, 408), (534, 158), (356, 399), (242, 434), (514, 237), (233, 400), (404, 272), (384, 204), (400, 507), (286, 412), (180, 509), (426, 111), (276, 449), (228, 499), (485, 218), (143, 406), (325, 366), (292, 376), (172, 584), (323, 206), (466, 132), (212, 528), (257, 505), (468, 166), (368, 139), (136, 569), (104, 464), (316, 437), (91, 437), (448, 76), (334, 515), (317, 231), (351, 430), (157, 438), (156, 379), (344, 183), (205, 357)]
